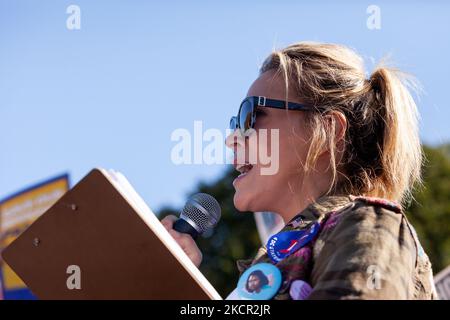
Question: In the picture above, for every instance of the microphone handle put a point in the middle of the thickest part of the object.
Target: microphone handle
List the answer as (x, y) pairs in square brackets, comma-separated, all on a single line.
[(183, 226)]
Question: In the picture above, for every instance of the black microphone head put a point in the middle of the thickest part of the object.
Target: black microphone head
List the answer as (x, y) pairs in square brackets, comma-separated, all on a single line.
[(201, 211)]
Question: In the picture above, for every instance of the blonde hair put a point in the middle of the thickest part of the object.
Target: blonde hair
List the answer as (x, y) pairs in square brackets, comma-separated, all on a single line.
[(382, 155)]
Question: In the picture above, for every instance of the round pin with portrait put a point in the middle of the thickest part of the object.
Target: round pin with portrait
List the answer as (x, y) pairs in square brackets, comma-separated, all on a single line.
[(259, 282)]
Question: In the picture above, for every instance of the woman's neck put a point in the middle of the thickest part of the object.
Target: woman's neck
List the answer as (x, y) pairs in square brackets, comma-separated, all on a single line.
[(296, 205), (300, 198)]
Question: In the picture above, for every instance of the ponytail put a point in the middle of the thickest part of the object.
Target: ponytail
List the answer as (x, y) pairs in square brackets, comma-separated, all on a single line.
[(400, 154)]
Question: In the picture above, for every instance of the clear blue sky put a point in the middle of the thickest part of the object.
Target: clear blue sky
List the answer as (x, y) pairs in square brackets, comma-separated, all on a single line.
[(111, 93)]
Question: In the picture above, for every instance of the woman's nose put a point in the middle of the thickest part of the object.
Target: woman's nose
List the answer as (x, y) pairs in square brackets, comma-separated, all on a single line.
[(235, 140)]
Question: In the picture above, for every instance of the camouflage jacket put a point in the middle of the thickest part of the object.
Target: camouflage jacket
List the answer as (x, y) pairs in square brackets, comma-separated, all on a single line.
[(365, 249)]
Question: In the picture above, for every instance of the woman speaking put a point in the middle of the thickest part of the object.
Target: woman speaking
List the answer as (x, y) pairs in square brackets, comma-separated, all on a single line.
[(349, 157)]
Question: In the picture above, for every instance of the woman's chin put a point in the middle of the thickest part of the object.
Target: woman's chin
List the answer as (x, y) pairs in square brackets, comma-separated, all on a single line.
[(238, 203), (241, 202)]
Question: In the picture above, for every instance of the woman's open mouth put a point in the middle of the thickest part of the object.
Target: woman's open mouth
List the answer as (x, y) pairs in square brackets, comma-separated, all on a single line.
[(244, 169)]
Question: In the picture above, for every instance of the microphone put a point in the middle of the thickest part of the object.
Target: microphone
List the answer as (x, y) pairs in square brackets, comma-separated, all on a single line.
[(200, 213)]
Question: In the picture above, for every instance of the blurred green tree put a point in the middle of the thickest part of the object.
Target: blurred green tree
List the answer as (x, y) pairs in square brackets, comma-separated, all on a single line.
[(429, 213), (236, 236)]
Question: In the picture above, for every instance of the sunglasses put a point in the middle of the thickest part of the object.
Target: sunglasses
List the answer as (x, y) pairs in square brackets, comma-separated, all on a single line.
[(246, 117)]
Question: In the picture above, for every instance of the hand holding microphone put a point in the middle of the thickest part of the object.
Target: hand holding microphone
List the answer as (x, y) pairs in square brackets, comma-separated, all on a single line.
[(200, 213)]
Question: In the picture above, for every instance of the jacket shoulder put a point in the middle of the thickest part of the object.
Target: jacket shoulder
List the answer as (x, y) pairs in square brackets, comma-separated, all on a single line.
[(368, 233), (374, 218), (363, 213), (378, 202), (368, 225)]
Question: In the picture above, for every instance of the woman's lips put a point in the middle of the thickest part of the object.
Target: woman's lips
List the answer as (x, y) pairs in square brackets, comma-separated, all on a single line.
[(245, 170)]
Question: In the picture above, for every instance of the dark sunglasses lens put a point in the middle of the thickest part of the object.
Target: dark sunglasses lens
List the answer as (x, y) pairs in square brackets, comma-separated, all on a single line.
[(245, 116), (233, 123)]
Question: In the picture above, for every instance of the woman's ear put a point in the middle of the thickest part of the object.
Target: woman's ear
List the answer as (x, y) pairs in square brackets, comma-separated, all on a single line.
[(337, 122)]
